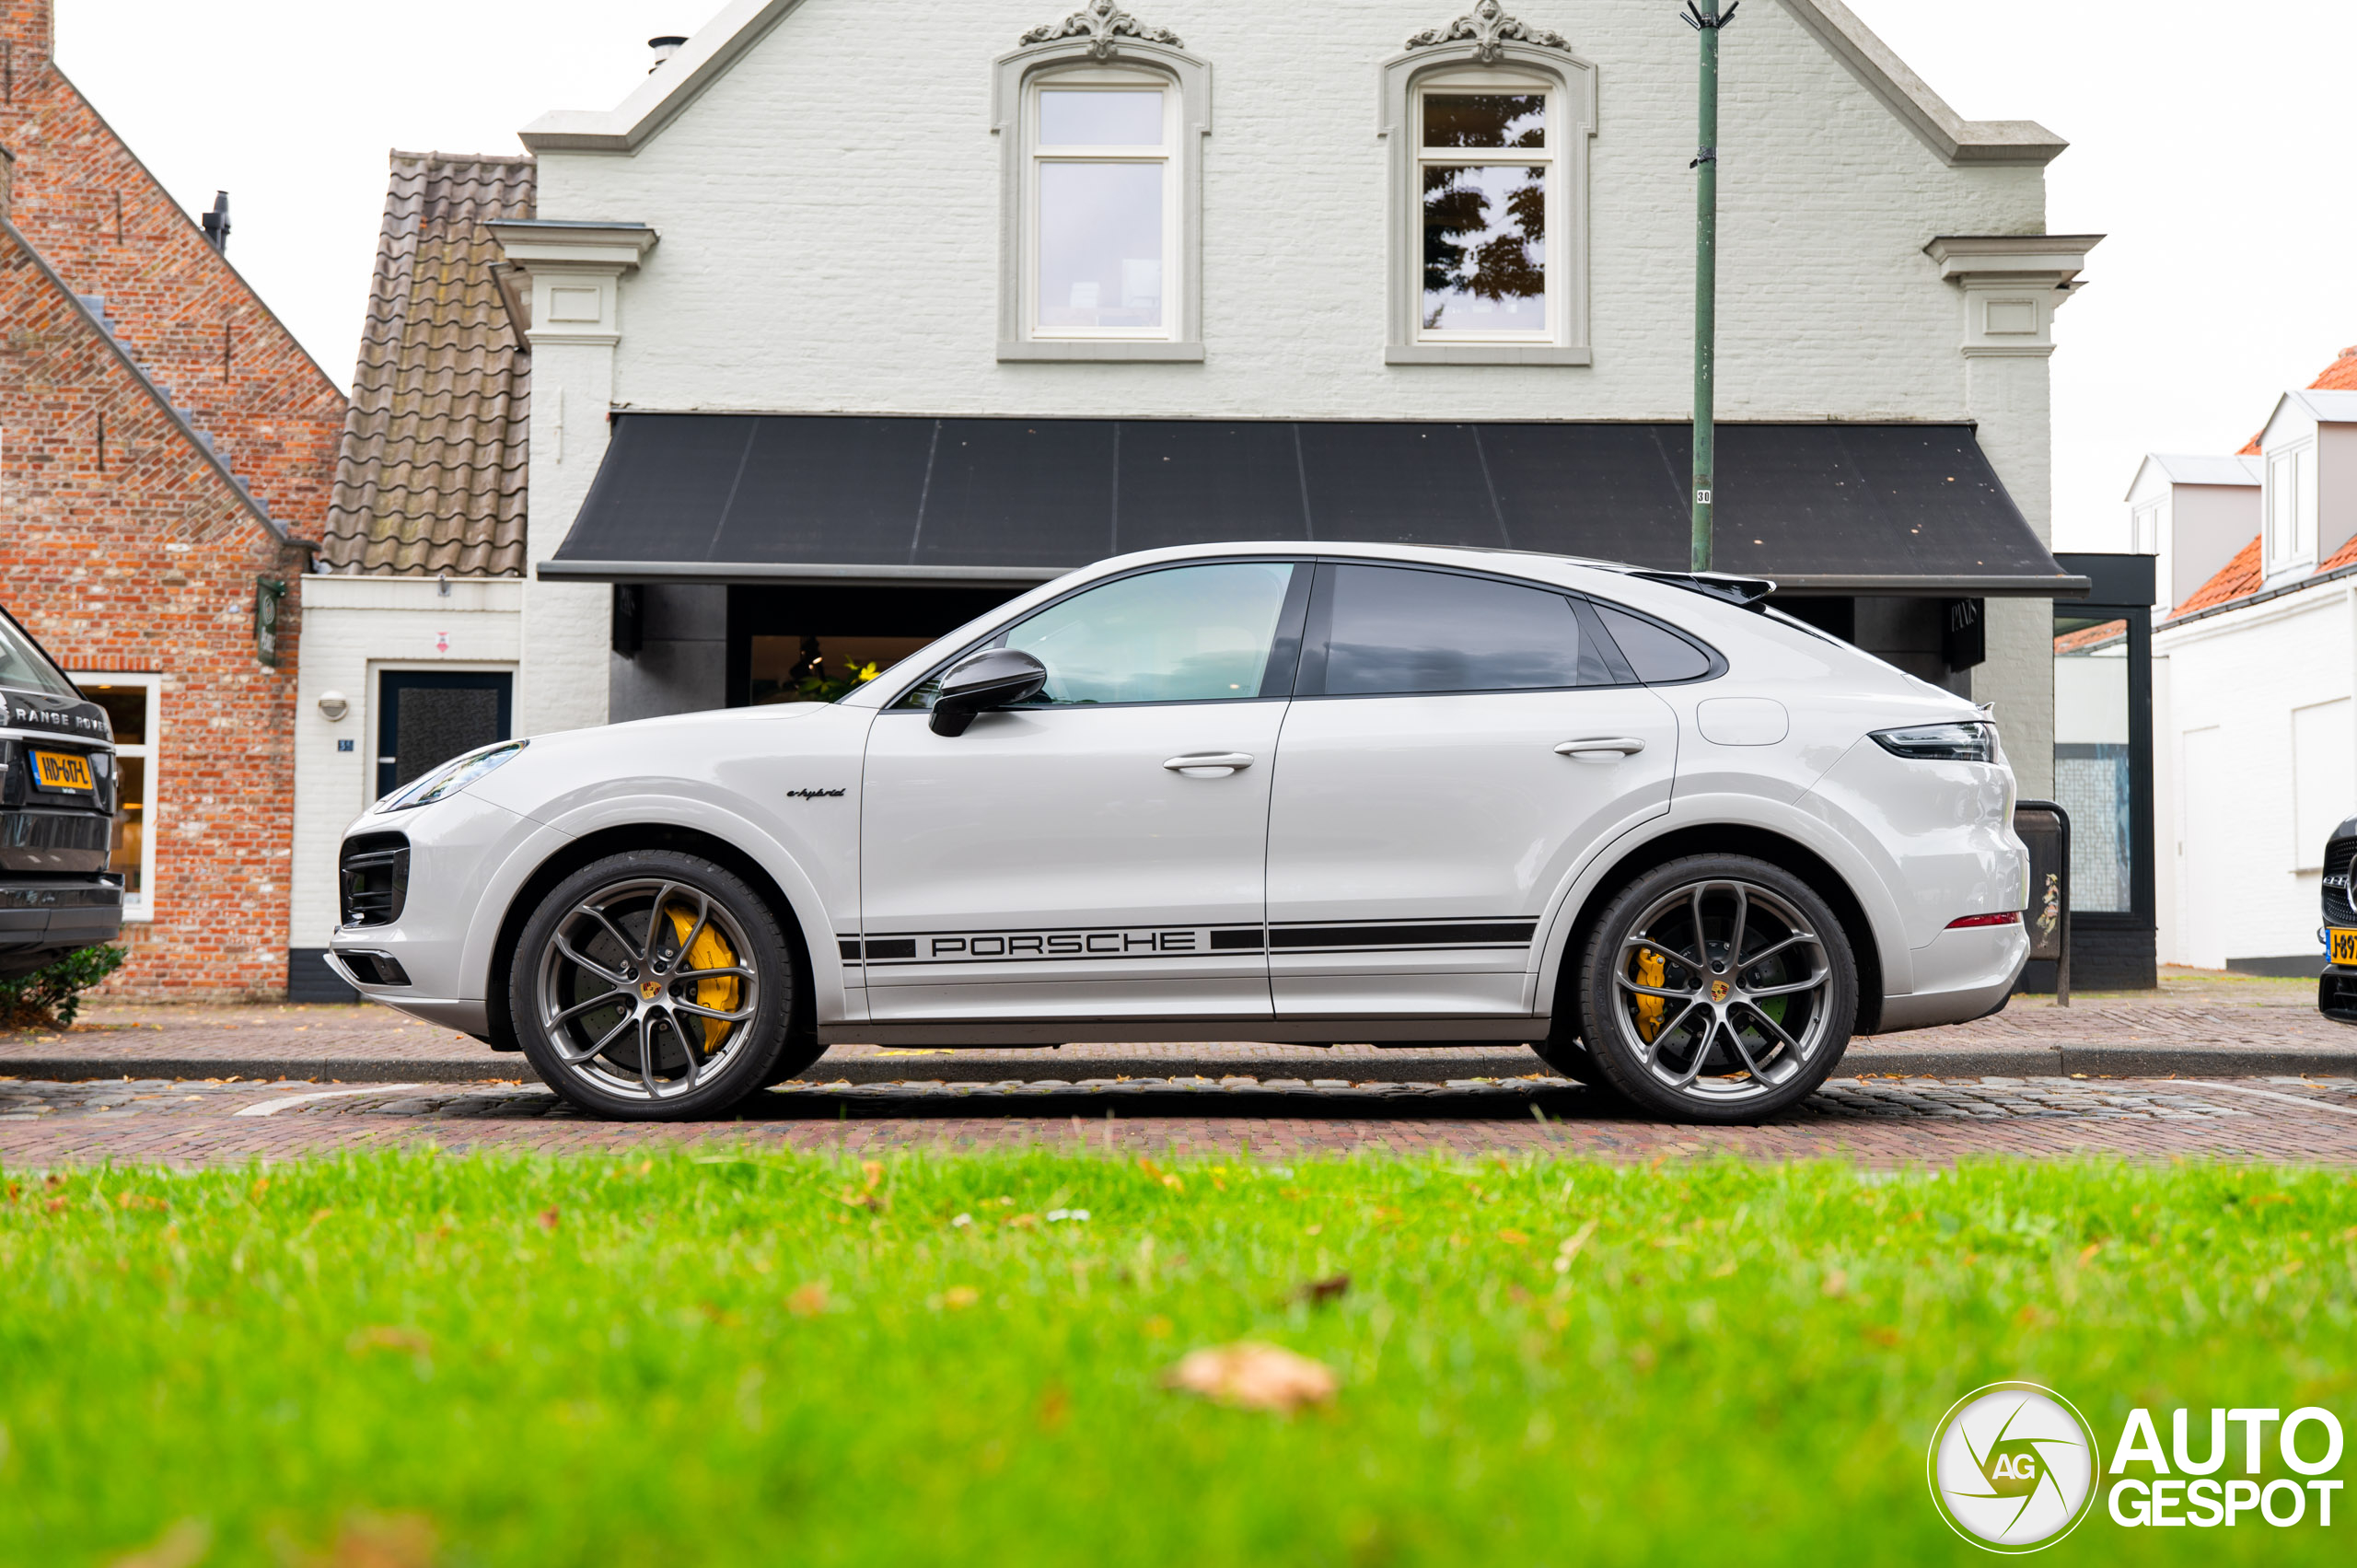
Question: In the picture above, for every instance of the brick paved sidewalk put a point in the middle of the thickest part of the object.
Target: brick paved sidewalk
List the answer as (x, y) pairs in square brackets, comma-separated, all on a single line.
[(1879, 1122), (2198, 1024)]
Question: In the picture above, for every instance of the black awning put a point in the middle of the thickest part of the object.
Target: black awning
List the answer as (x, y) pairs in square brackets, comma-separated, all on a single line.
[(1902, 509)]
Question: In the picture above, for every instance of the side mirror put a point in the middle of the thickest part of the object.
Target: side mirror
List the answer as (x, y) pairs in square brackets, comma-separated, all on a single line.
[(995, 677)]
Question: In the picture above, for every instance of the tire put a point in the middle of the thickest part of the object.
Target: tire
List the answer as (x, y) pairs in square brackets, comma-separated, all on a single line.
[(1682, 1029), (691, 1025)]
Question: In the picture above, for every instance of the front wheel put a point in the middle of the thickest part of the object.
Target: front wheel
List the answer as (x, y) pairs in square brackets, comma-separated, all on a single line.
[(1717, 988), (652, 986)]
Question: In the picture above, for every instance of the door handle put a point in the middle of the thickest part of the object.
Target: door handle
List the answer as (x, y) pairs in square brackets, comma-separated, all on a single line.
[(1209, 764), (1601, 749)]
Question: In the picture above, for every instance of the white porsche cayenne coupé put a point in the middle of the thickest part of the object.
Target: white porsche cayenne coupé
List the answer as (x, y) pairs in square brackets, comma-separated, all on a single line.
[(1682, 844)]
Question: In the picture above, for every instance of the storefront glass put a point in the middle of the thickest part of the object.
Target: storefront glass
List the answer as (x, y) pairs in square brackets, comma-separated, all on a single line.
[(2092, 758)]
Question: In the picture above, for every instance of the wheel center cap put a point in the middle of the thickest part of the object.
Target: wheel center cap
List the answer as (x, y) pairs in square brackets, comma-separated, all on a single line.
[(650, 989), (1721, 991)]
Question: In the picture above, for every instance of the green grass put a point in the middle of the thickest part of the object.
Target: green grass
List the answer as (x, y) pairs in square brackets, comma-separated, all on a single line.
[(771, 1360)]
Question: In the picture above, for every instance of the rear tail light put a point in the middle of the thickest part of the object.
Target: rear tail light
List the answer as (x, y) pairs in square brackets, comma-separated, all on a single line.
[(1966, 742), (1965, 922)]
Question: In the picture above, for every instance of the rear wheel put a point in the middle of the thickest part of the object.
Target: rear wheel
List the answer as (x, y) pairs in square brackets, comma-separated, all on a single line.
[(1717, 988), (652, 986)]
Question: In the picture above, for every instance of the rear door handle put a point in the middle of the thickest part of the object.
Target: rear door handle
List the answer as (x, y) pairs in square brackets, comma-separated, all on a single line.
[(1209, 764), (1601, 749)]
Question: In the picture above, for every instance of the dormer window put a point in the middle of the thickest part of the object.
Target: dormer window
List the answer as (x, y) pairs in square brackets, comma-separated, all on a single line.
[(2290, 501)]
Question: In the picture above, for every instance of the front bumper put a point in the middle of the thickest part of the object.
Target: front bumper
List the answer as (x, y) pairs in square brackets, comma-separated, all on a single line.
[(2337, 993), (42, 919)]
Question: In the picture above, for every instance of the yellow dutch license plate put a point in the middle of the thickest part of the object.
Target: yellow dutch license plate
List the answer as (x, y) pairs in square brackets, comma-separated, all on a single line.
[(2344, 944), (62, 770)]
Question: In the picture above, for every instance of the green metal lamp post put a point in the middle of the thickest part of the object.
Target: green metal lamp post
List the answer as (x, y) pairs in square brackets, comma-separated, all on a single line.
[(1708, 24)]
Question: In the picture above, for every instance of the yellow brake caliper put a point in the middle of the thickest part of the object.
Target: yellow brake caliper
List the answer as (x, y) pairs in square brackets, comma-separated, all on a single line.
[(1651, 971), (712, 951)]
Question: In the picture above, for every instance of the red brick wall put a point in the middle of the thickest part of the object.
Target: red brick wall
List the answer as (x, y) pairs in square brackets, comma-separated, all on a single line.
[(98, 216), (149, 564)]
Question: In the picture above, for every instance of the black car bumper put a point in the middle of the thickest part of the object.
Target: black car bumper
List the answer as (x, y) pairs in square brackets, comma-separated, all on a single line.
[(44, 919), (2337, 993)]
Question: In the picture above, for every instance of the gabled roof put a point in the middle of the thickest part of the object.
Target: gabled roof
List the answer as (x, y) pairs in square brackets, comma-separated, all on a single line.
[(2200, 468), (707, 56), (430, 476), (92, 314)]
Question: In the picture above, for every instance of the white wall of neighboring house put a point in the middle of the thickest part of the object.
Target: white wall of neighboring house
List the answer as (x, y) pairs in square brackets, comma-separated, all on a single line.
[(829, 213), (355, 628)]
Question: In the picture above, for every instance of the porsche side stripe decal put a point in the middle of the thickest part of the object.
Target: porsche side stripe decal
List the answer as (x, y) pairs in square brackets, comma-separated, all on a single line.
[(1069, 944)]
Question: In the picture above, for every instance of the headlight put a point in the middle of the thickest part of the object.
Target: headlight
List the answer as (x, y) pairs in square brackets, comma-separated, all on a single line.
[(453, 776), (1941, 742)]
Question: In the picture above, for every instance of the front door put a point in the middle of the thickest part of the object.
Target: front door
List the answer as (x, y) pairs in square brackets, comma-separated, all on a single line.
[(1433, 792), (1099, 852), (426, 717)]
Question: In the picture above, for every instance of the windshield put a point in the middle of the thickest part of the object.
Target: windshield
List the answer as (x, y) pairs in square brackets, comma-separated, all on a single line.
[(24, 668)]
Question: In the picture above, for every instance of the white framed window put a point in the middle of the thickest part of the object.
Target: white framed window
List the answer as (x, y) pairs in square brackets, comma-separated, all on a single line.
[(2290, 499), (134, 704), (1102, 199), (2146, 531), (1100, 122), (1485, 178), (1489, 121)]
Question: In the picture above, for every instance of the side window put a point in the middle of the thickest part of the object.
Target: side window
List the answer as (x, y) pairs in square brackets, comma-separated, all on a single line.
[(1189, 635), (1655, 653), (1401, 631)]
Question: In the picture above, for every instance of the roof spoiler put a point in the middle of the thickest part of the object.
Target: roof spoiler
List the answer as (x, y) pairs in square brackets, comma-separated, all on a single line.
[(1744, 591)]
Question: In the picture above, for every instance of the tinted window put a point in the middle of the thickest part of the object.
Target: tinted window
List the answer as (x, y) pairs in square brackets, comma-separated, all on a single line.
[(1655, 653), (24, 666), (1189, 634), (1392, 629)]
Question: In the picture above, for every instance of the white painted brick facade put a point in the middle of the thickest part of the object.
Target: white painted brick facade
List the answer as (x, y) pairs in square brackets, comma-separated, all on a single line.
[(354, 627), (829, 213)]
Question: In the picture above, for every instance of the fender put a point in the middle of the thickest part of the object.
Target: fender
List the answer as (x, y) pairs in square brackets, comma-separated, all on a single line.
[(829, 993), (1788, 820)]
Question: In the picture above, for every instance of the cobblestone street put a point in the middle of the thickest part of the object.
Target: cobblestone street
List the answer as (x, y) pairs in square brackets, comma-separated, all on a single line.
[(1876, 1122), (193, 1083)]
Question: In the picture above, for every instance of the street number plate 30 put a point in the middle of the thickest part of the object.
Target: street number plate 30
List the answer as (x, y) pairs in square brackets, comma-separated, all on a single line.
[(62, 770)]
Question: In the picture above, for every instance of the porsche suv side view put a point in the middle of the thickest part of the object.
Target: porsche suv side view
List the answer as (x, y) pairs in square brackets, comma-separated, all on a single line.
[(1684, 846)]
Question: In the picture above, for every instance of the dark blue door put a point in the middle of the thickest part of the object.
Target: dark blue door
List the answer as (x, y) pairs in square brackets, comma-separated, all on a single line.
[(424, 718)]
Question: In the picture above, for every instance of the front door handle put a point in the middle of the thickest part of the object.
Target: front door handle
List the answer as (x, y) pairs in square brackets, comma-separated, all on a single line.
[(1209, 764), (1601, 749)]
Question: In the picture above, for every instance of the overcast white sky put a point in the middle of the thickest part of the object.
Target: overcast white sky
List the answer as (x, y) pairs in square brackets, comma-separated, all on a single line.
[(2206, 143)]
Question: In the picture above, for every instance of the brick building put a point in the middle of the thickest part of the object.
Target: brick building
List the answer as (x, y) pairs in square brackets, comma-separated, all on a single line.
[(166, 454)]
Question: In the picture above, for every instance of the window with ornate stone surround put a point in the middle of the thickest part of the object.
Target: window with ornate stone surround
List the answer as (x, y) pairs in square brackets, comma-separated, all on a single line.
[(1487, 119), (1100, 121)]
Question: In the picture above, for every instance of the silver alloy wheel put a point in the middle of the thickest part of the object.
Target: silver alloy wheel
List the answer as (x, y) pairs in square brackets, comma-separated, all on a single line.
[(1723, 992), (645, 987)]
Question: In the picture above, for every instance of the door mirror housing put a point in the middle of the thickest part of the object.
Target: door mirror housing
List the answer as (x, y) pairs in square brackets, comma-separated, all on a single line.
[(995, 677)]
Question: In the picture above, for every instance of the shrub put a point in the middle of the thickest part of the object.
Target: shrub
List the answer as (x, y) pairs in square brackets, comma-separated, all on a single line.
[(54, 994)]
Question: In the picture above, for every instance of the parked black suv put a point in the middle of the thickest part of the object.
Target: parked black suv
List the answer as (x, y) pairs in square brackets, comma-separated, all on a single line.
[(2336, 992), (57, 793)]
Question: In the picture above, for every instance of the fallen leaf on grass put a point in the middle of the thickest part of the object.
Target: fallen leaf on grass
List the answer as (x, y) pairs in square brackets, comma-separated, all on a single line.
[(1837, 1284), (387, 1335), (1157, 1326), (548, 1219), (1514, 1238), (808, 1300), (1253, 1377), (1054, 1405), (959, 1298), (367, 1541), (1319, 1291), (1881, 1335), (182, 1546), (1570, 1248)]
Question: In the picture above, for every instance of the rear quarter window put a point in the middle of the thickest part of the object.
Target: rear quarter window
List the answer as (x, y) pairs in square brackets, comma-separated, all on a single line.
[(1656, 655)]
